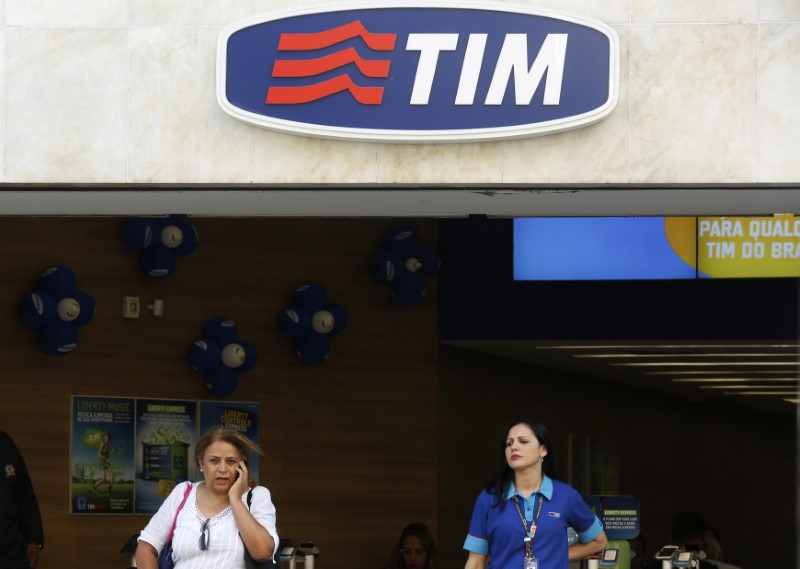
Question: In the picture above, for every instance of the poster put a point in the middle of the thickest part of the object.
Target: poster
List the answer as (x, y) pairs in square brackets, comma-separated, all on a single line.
[(238, 416), (166, 435), (619, 515), (102, 455), (127, 454)]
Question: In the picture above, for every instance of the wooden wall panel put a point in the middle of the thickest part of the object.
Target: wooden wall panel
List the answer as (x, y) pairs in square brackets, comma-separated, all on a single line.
[(350, 444)]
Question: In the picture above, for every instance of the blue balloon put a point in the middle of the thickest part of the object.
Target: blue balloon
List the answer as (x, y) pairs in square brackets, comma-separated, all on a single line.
[(430, 262), (88, 308), (403, 241), (221, 330), (310, 297), (294, 323), (37, 309), (314, 348), (158, 262), (385, 266), (204, 356), (58, 338), (339, 318), (58, 281), (171, 219), (222, 380), (190, 239), (141, 233), (409, 289), (251, 357)]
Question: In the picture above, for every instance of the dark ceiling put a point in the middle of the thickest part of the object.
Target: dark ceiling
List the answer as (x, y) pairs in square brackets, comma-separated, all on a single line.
[(759, 376)]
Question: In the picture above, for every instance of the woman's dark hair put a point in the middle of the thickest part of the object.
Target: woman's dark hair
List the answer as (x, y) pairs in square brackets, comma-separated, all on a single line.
[(423, 534), (502, 481)]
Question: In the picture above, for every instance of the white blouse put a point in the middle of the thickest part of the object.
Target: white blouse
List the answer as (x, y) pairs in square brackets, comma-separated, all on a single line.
[(225, 547)]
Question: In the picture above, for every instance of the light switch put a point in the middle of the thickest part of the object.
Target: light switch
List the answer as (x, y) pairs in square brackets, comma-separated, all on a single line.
[(130, 307)]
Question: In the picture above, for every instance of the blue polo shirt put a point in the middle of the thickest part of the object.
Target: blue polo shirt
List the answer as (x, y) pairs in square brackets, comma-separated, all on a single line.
[(500, 534)]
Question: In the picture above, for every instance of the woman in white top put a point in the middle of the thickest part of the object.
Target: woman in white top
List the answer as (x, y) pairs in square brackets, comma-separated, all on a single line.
[(215, 524)]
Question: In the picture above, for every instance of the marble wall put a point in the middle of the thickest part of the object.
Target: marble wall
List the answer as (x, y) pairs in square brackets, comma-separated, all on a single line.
[(123, 92)]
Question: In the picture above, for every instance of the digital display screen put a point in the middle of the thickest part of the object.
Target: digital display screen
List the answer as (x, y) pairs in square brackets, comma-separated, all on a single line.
[(748, 247), (604, 248), (656, 248)]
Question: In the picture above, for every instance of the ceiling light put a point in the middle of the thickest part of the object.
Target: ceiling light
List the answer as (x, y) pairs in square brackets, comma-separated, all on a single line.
[(760, 393), (731, 379), (684, 364), (682, 355), (711, 372), (742, 386), (668, 346)]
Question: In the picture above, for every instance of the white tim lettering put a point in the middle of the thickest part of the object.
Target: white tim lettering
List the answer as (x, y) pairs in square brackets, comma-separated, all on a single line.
[(514, 59), (429, 46), (720, 250), (471, 69)]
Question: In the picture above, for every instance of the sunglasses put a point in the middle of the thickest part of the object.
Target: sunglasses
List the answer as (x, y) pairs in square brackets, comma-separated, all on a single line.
[(203, 542)]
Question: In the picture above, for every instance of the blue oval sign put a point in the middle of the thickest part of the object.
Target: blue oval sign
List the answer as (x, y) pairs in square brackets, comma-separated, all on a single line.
[(437, 72)]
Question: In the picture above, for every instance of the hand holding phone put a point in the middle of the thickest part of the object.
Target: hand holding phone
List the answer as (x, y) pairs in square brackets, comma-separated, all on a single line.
[(241, 481)]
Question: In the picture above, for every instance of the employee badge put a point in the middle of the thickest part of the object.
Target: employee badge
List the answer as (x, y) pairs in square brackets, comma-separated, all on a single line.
[(531, 563)]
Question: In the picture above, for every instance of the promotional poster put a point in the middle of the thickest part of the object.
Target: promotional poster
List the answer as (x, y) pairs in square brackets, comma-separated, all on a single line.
[(102, 455), (128, 454)]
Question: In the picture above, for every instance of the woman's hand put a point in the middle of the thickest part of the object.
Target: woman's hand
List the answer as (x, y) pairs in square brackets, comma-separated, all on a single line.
[(240, 485), (476, 561), (580, 550), (32, 555)]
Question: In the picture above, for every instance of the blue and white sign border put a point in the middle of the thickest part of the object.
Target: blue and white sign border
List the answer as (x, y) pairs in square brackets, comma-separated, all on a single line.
[(422, 136)]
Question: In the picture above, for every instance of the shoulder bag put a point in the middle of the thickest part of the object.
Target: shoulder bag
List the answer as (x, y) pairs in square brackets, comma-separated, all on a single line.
[(249, 562), (165, 560)]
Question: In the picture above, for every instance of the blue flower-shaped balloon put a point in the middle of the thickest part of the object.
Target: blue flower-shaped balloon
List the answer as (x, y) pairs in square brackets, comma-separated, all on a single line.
[(160, 240), (56, 309), (404, 264), (311, 321), (221, 356)]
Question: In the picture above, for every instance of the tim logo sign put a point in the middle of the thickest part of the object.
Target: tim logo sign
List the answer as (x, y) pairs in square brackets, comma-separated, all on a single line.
[(418, 73)]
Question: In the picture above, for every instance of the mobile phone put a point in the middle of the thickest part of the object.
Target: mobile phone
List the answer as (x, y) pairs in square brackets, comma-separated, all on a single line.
[(683, 559), (667, 552)]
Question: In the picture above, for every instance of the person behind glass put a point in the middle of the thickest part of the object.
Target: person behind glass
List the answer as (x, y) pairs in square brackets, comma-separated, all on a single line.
[(520, 520), (21, 533), (415, 549), (688, 533), (638, 547), (215, 525)]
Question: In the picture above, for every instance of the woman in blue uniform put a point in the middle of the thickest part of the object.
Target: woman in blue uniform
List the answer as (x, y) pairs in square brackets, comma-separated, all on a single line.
[(520, 520)]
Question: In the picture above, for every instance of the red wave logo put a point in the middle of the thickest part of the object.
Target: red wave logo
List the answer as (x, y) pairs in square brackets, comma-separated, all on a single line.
[(316, 66)]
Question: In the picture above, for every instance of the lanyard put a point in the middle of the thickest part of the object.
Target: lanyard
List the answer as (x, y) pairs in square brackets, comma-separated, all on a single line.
[(529, 532)]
